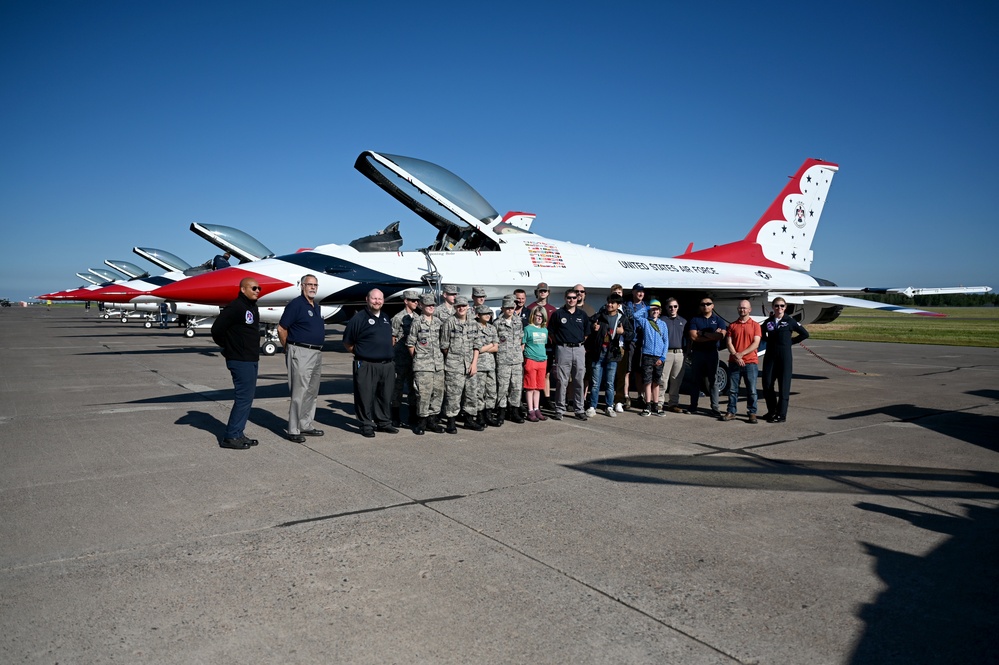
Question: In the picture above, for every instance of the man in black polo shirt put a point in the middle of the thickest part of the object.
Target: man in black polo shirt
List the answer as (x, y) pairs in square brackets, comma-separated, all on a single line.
[(368, 336), (567, 331), (302, 332)]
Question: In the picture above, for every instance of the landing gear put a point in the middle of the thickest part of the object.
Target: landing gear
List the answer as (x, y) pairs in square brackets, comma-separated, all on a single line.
[(271, 340), (124, 319), (147, 324), (189, 332)]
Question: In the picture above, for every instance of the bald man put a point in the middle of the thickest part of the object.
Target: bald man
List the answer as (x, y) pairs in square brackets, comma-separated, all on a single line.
[(237, 331), (368, 336)]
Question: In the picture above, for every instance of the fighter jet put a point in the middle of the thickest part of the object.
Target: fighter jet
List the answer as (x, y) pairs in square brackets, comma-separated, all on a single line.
[(477, 246)]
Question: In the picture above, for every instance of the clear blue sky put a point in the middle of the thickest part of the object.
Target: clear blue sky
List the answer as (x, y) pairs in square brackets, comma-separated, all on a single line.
[(632, 126)]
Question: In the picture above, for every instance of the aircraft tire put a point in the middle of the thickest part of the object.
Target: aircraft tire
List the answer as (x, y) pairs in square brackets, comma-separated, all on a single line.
[(124, 319), (189, 333), (269, 348), (148, 324), (721, 378)]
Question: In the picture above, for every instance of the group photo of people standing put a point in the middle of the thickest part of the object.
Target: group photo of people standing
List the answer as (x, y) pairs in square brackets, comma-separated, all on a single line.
[(435, 366)]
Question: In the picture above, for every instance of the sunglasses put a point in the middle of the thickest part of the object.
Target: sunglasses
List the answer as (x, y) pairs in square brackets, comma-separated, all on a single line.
[(707, 304), (461, 306), (780, 306), (254, 288), (571, 297)]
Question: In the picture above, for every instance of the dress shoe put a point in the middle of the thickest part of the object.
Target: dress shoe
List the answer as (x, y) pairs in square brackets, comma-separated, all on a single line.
[(388, 429), (752, 419), (234, 444), (312, 432), (297, 438), (368, 433), (677, 409), (727, 417), (248, 441), (769, 417), (778, 419)]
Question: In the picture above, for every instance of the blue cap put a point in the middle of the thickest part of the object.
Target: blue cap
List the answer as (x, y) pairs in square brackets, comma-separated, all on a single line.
[(638, 287)]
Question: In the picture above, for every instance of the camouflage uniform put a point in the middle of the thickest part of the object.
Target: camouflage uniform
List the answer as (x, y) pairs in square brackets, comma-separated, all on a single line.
[(401, 323), (461, 339), (444, 310), (428, 365), (485, 393), (509, 361)]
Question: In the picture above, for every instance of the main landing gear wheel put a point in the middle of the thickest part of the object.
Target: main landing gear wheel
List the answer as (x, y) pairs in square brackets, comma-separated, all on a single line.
[(721, 378), (189, 333), (269, 348)]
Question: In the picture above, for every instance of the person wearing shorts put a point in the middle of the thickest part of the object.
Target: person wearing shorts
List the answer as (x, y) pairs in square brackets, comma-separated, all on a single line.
[(535, 361)]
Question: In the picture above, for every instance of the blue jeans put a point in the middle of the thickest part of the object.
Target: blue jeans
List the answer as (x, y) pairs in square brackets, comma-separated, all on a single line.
[(749, 372), (244, 383), (603, 369)]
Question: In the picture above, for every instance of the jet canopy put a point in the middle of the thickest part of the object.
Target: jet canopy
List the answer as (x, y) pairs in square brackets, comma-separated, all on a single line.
[(163, 259), (106, 275), (464, 219), (127, 267), (238, 243)]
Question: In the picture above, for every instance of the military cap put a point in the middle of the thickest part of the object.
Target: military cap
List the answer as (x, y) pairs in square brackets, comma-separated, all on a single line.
[(478, 292), (460, 300), (450, 288), (508, 301), (483, 309), (410, 294), (427, 299)]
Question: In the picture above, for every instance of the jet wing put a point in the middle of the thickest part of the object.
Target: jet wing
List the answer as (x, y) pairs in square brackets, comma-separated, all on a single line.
[(463, 217), (843, 301)]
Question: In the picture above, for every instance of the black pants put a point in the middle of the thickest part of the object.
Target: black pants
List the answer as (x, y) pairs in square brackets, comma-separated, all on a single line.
[(373, 386), (777, 369)]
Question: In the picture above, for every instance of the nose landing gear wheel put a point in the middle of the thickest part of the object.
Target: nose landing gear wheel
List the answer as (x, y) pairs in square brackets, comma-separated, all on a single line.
[(189, 333)]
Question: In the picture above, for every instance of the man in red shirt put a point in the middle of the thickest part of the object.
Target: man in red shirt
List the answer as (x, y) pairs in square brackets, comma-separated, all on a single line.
[(743, 338)]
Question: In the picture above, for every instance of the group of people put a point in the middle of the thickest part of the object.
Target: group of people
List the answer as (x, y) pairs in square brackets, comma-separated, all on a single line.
[(453, 359)]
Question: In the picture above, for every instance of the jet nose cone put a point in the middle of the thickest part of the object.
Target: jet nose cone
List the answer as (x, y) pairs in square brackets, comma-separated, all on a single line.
[(218, 287)]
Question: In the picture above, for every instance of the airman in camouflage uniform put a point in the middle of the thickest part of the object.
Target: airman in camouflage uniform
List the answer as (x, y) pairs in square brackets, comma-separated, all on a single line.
[(424, 344), (446, 309), (485, 392), (509, 363), (401, 323), (460, 341)]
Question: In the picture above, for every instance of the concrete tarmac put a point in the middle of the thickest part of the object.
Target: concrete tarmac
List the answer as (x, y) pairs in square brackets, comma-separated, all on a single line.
[(864, 530)]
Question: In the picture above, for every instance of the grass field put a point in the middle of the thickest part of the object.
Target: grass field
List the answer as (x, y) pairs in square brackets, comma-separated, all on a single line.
[(963, 326)]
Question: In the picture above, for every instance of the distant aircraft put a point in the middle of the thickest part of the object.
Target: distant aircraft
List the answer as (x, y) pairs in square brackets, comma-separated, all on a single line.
[(476, 246)]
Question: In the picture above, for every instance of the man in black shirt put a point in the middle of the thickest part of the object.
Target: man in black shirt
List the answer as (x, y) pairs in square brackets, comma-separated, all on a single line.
[(237, 331), (567, 331), (368, 336)]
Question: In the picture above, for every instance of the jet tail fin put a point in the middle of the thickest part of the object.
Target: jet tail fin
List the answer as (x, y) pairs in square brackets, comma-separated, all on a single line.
[(782, 238)]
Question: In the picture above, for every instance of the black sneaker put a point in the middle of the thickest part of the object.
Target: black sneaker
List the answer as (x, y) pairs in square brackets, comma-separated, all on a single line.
[(556, 416), (581, 416)]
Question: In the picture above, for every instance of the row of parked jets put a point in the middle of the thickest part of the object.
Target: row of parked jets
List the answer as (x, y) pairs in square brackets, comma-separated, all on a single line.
[(477, 246)]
